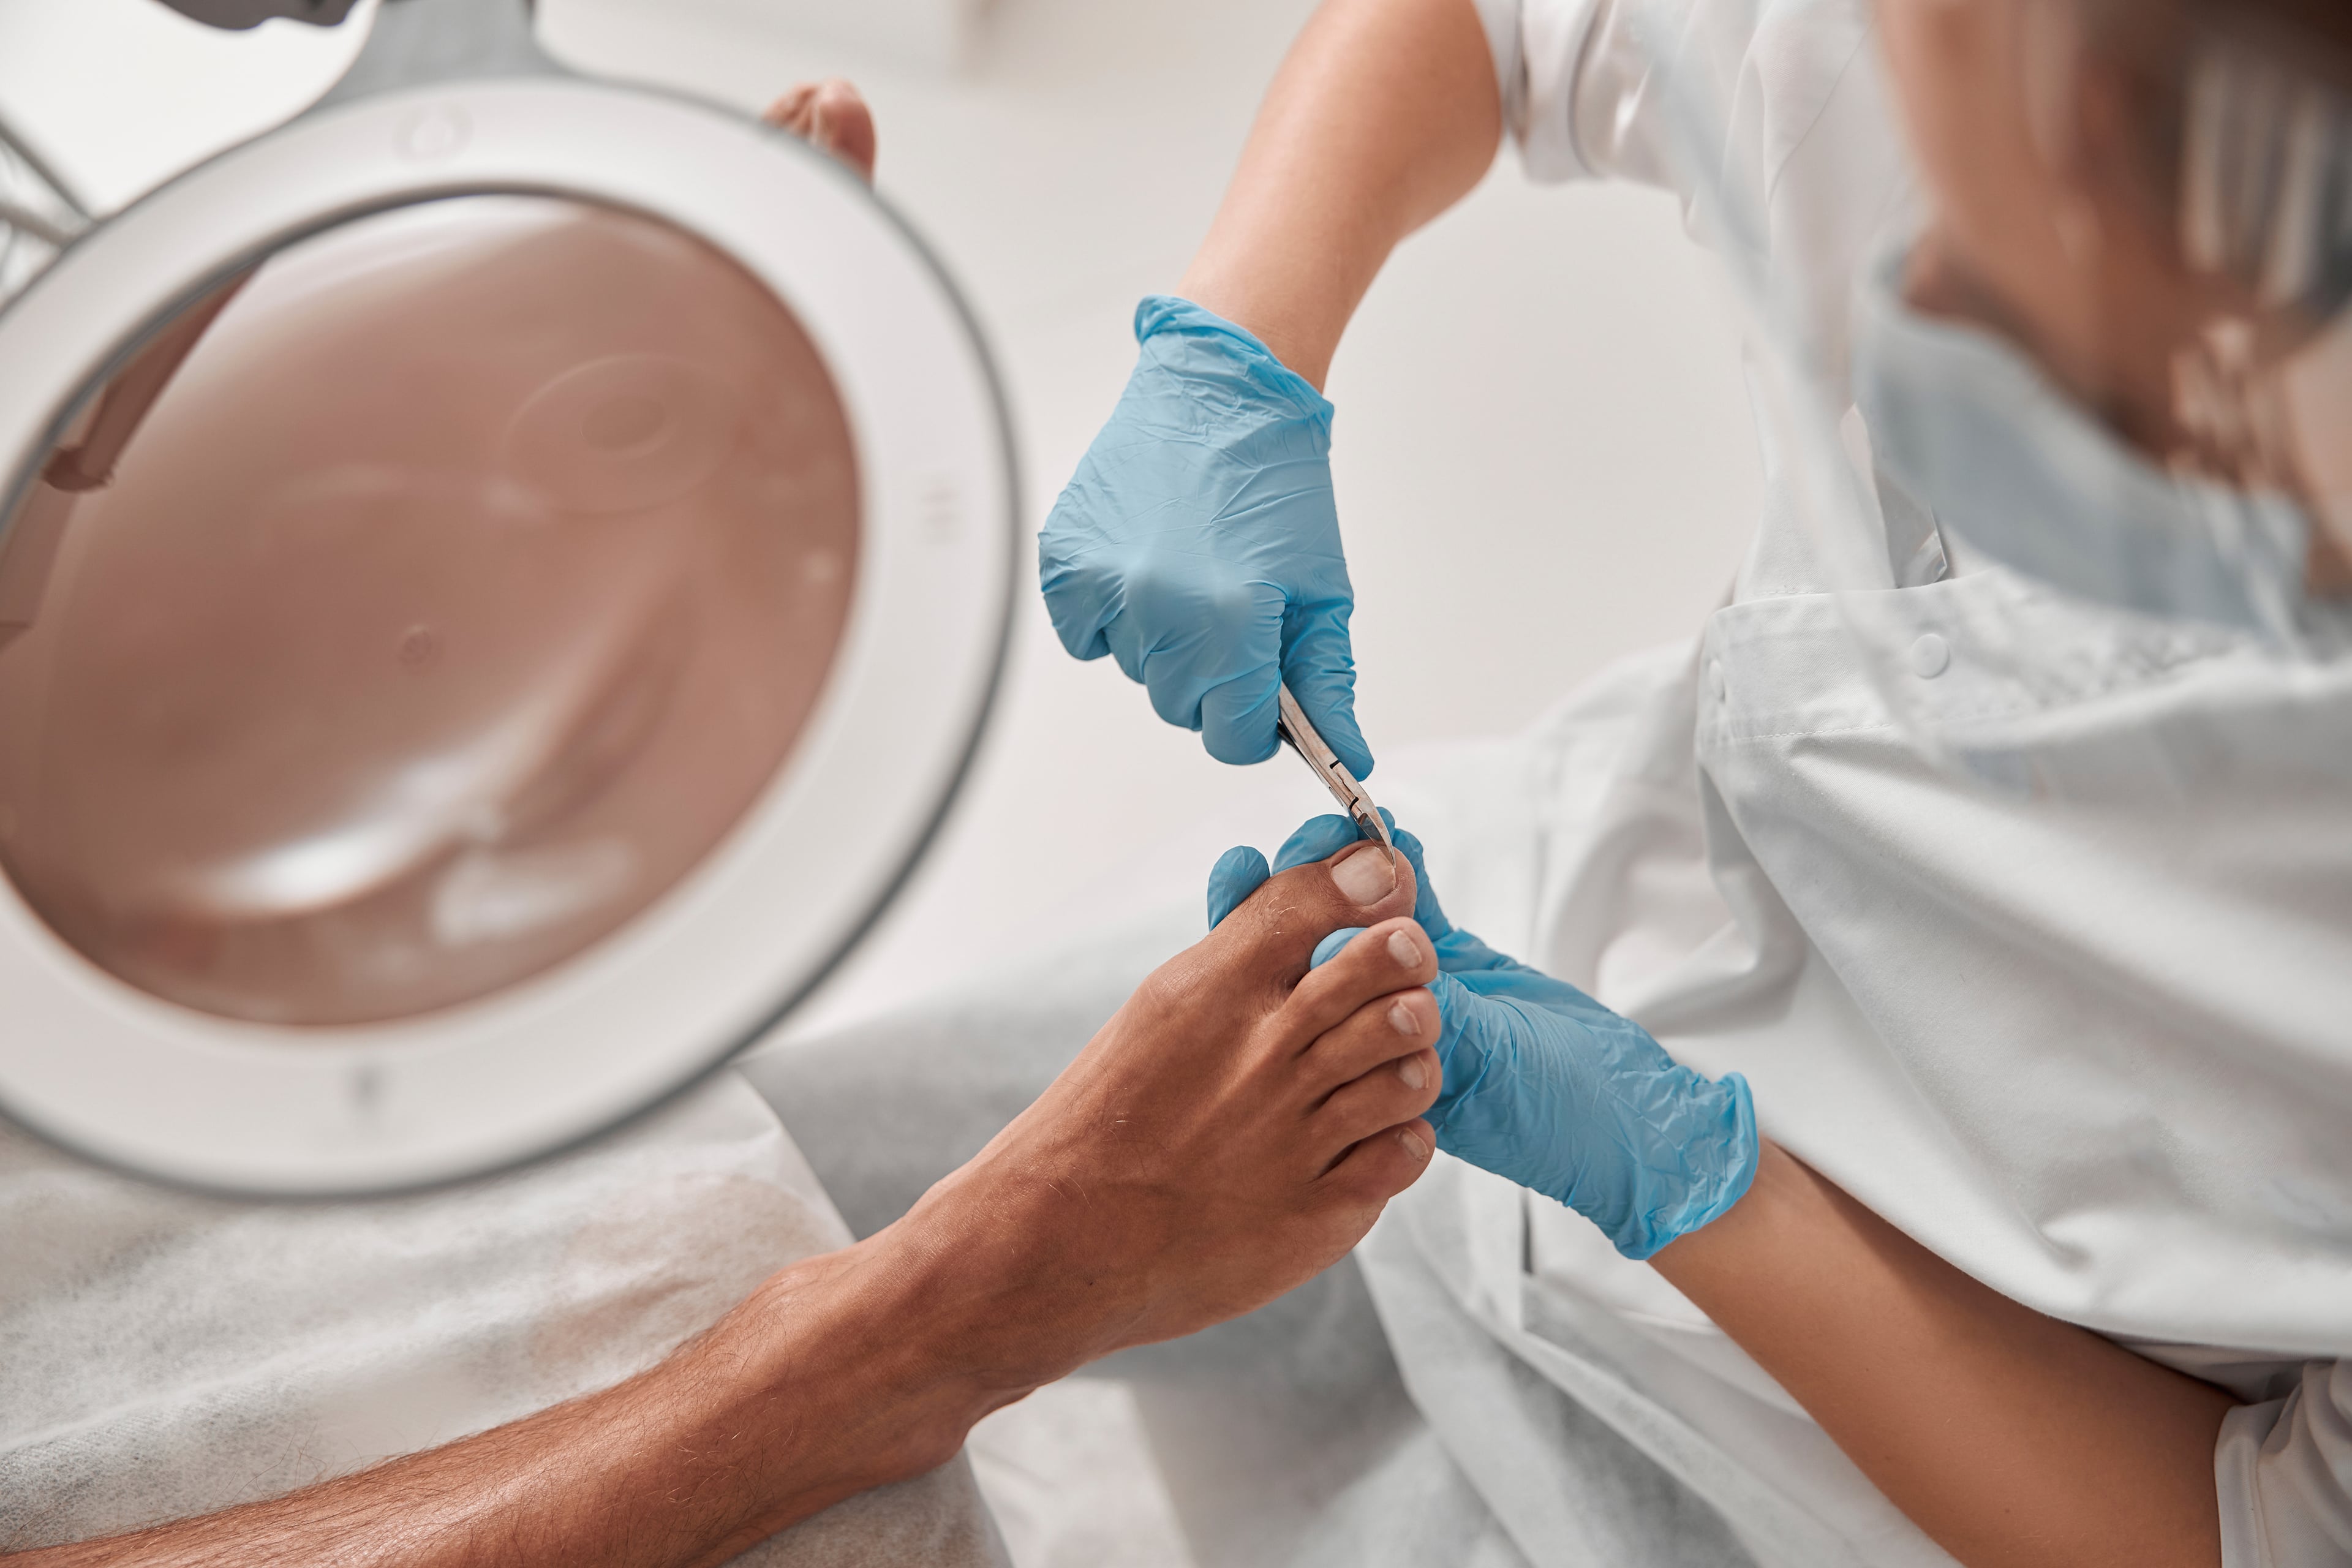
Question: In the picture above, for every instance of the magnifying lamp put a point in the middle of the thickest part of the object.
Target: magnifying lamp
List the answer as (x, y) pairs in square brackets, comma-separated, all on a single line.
[(499, 579)]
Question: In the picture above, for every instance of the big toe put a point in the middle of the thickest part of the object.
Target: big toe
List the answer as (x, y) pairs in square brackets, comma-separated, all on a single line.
[(1274, 934)]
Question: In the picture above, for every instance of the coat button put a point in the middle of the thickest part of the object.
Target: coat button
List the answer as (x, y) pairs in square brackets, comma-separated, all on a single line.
[(1930, 656)]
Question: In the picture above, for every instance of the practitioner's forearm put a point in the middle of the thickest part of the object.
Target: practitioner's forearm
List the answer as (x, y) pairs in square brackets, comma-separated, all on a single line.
[(828, 1381), (1385, 113), (2016, 1441)]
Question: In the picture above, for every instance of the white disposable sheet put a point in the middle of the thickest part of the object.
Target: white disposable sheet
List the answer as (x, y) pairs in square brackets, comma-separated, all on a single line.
[(164, 1355)]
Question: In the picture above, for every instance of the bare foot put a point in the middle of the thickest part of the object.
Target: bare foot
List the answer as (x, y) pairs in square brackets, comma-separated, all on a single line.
[(1231, 1131), (829, 115)]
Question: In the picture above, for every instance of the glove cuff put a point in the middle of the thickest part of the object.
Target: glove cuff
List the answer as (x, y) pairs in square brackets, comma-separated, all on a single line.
[(1726, 1171), (1170, 315)]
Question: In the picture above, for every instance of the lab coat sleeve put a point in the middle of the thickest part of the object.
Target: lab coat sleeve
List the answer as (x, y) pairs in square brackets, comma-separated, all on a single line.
[(1537, 46), (1576, 78), (2284, 1470)]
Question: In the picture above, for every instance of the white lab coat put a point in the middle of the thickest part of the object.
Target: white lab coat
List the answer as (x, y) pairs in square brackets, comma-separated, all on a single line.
[(2098, 1062)]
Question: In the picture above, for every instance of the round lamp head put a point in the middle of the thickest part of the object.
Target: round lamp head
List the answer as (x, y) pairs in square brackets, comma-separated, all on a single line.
[(498, 581)]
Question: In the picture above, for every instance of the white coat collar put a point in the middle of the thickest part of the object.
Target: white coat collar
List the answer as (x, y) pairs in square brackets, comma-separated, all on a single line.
[(2016, 468)]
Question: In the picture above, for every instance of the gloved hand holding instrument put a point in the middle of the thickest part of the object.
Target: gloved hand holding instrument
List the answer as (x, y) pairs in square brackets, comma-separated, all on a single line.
[(1199, 543), (1543, 1084)]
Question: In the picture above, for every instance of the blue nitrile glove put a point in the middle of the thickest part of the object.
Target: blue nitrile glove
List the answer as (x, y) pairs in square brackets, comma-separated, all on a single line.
[(1199, 543), (1546, 1085)]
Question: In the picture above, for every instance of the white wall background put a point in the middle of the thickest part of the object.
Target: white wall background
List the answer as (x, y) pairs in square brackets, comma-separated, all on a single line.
[(1543, 457)]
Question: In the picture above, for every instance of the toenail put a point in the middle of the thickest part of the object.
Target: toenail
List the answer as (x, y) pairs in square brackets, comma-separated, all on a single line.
[(1402, 1020), (1402, 949), (1366, 877), (1413, 1072), (1413, 1146)]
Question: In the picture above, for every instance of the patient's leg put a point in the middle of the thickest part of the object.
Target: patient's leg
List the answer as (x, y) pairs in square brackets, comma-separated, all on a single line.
[(1258, 1424), (886, 1107)]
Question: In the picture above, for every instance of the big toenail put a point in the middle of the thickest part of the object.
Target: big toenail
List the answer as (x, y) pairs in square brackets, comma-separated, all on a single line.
[(1402, 1020), (1366, 877), (1411, 1071), (1402, 949), (1413, 1146)]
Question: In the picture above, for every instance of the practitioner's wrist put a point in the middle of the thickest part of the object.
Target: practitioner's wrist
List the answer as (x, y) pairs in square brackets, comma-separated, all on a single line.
[(1300, 337), (1780, 1191), (1717, 1160), (1237, 350)]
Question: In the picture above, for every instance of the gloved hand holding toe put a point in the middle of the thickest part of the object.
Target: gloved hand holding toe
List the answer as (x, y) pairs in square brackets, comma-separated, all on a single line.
[(1199, 543), (1543, 1084)]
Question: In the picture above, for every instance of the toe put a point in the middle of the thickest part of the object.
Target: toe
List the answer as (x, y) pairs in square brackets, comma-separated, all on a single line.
[(1275, 931), (1380, 1166), (1388, 1096), (1389, 956), (1381, 1031)]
